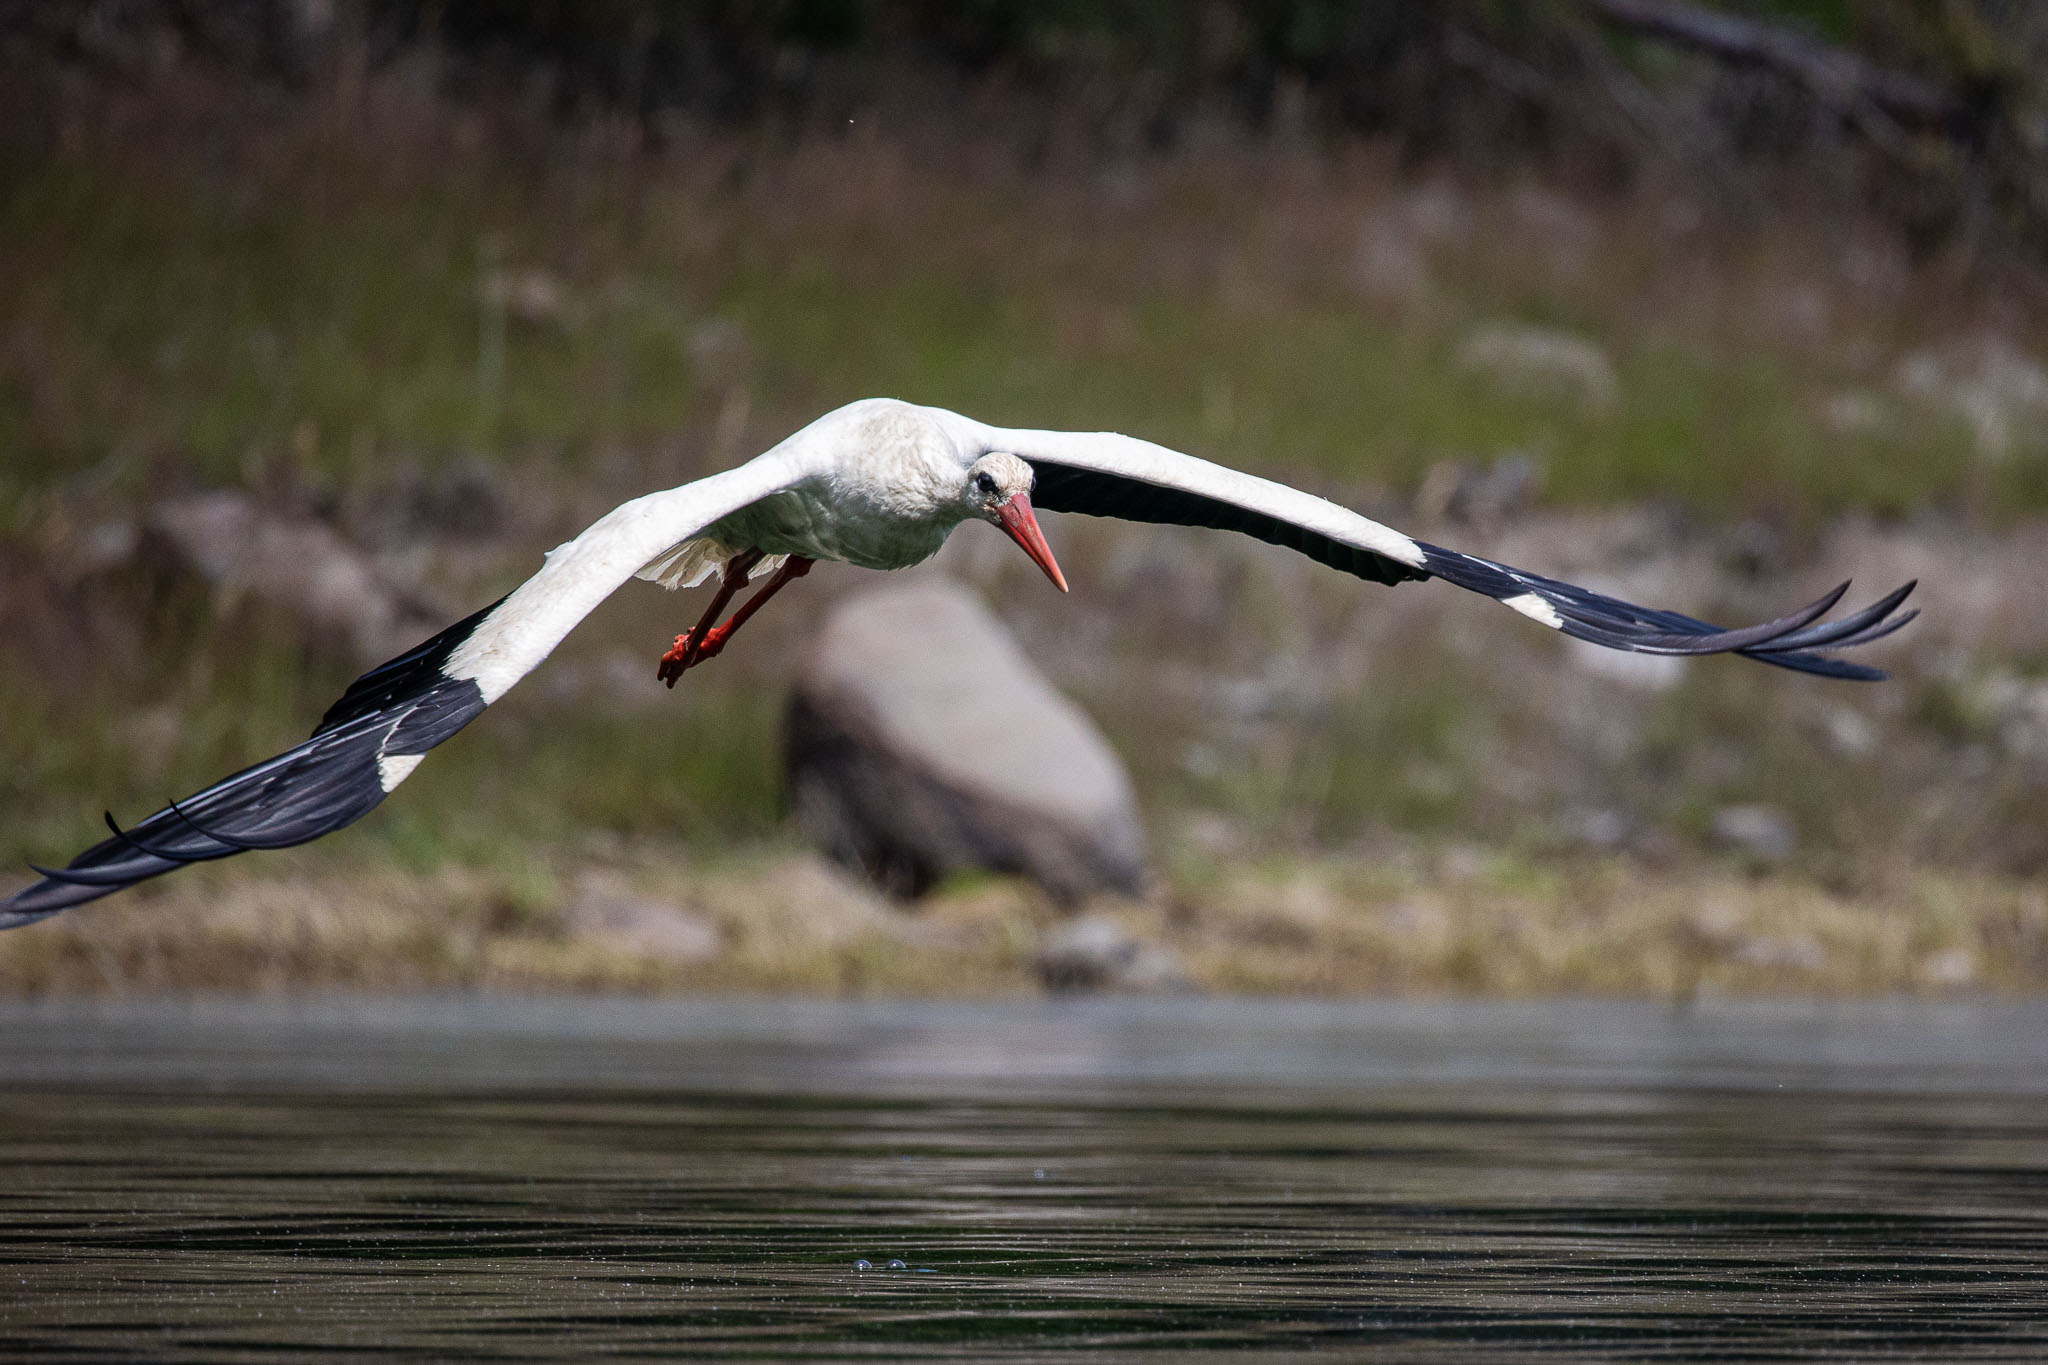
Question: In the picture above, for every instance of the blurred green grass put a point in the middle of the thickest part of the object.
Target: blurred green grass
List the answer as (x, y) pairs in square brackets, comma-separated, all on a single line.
[(315, 311)]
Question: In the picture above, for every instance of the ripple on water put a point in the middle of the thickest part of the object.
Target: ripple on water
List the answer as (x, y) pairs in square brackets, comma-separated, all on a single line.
[(1448, 1218)]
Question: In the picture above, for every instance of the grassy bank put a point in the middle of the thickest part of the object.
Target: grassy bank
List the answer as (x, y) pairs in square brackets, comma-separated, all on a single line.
[(773, 919)]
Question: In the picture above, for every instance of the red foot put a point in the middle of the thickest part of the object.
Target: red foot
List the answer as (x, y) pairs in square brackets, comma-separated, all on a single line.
[(675, 661), (683, 655), (695, 646)]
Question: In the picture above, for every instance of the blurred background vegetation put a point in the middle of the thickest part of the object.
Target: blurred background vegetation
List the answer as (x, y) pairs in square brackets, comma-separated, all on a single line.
[(1706, 302)]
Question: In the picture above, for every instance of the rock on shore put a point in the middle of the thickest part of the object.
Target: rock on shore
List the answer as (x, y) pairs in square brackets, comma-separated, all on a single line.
[(921, 741)]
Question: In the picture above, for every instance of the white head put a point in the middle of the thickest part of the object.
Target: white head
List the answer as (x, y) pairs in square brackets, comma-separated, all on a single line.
[(993, 480), (998, 490)]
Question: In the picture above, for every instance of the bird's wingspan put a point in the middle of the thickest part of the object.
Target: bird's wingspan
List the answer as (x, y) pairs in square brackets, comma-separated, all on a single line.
[(1107, 475), (372, 738)]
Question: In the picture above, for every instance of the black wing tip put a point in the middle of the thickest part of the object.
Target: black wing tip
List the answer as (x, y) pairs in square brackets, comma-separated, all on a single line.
[(404, 707), (1802, 649), (48, 897), (1795, 641)]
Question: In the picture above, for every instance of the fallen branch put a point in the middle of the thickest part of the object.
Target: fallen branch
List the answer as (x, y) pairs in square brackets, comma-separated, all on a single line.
[(1839, 79)]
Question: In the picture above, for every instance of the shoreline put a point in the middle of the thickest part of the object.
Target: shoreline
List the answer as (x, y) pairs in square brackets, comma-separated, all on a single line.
[(781, 920)]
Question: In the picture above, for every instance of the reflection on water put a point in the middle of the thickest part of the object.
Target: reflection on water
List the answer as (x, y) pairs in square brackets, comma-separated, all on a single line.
[(474, 1180)]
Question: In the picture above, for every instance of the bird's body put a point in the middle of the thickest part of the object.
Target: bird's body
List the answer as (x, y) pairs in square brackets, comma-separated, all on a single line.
[(889, 511), (880, 484)]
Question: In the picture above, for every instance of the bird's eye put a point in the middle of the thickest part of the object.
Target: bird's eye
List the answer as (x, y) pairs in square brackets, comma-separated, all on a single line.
[(985, 481)]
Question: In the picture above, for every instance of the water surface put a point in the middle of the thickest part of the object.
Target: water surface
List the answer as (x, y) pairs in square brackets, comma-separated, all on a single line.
[(487, 1179)]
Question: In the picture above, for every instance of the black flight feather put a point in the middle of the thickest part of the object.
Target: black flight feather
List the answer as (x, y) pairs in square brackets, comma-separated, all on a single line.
[(1791, 641), (403, 707)]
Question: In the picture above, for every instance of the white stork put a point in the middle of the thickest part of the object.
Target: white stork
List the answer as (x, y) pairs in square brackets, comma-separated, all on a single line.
[(881, 484)]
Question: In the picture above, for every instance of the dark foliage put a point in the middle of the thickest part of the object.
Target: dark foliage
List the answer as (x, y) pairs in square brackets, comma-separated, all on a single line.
[(1931, 111)]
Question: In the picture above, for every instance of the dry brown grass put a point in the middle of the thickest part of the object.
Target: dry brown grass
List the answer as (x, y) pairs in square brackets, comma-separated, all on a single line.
[(1458, 925)]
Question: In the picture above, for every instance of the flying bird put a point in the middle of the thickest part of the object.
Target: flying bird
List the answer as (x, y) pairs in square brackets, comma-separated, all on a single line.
[(881, 484)]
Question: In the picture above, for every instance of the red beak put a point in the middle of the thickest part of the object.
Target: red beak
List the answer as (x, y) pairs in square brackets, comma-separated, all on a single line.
[(1021, 525)]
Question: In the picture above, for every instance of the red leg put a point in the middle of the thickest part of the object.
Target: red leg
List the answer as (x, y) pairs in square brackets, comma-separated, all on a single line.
[(684, 653), (711, 642)]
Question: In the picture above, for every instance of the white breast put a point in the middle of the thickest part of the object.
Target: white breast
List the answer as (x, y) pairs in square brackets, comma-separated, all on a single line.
[(853, 521)]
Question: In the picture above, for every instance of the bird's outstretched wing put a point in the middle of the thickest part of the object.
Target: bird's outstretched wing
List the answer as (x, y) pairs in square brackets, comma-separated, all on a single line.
[(372, 738), (1106, 475)]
